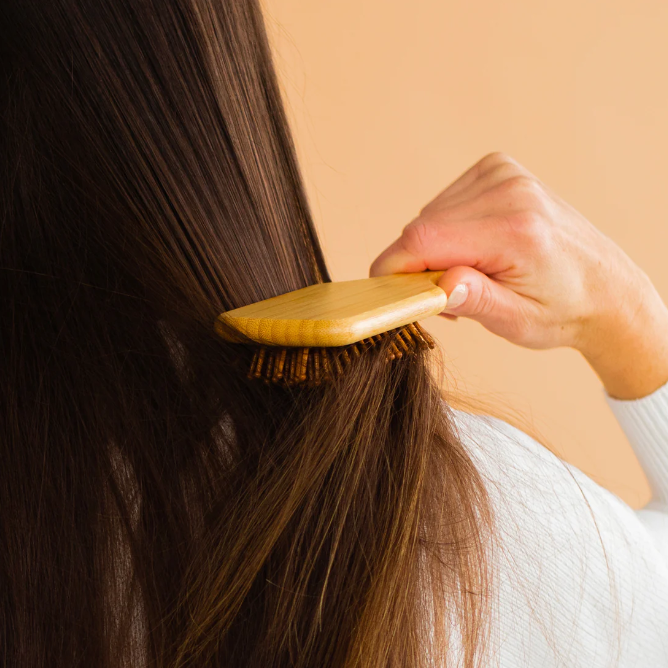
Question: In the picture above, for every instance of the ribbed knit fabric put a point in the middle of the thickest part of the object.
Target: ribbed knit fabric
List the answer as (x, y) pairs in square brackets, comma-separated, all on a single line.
[(581, 578), (645, 423)]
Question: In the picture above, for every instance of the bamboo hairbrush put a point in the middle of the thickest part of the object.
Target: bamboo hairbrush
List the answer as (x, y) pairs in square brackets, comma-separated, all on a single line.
[(309, 335)]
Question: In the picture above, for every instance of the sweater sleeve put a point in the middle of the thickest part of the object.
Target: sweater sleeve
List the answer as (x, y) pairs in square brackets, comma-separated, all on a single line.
[(645, 423)]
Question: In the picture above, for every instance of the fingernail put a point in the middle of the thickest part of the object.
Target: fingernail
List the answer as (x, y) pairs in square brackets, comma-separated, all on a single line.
[(458, 296)]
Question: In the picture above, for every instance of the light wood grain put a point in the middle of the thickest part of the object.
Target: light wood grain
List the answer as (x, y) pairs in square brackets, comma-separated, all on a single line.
[(337, 314)]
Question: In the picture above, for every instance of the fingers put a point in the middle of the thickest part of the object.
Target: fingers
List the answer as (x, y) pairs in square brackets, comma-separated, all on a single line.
[(492, 211), (494, 306), (485, 184), (459, 184), (430, 244), (478, 174), (490, 233)]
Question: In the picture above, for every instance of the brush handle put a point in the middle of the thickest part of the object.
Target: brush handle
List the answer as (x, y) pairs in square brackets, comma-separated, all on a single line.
[(338, 313)]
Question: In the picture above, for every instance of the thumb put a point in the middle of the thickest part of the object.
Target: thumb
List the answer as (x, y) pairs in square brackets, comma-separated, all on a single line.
[(474, 295)]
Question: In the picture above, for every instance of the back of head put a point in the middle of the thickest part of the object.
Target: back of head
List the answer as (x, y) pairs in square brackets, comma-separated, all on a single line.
[(157, 507)]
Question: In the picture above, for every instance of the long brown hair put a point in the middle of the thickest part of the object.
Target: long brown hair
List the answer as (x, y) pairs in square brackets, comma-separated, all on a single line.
[(157, 507)]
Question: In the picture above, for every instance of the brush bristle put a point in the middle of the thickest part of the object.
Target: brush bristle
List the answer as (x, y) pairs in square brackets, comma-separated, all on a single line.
[(313, 366)]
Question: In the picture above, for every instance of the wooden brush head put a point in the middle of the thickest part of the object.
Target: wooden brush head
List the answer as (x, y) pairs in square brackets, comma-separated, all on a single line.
[(336, 314)]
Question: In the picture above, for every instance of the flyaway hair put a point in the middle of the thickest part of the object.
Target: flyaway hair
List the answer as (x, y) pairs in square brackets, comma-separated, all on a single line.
[(157, 507)]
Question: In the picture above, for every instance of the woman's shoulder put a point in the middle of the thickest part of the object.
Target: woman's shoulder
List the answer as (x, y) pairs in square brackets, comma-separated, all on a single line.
[(578, 570), (507, 455), (508, 458)]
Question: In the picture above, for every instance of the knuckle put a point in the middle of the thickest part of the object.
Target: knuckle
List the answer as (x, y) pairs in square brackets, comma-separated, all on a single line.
[(416, 236), (530, 185), (505, 173), (495, 158), (531, 227), (523, 184), (525, 222), (524, 191)]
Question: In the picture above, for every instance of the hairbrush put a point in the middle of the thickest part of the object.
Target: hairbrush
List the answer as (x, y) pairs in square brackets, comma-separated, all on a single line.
[(310, 335)]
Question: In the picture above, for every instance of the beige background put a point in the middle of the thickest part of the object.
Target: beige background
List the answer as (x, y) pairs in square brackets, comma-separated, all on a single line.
[(391, 100)]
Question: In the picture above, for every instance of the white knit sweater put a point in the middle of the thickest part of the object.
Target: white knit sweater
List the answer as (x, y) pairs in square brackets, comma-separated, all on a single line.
[(562, 600)]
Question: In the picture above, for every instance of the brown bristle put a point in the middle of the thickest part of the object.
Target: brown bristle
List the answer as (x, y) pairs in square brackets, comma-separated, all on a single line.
[(251, 371), (406, 336), (316, 367), (417, 336), (294, 366), (260, 360), (401, 344), (338, 369), (325, 363), (277, 365), (302, 364), (312, 366), (278, 374), (269, 367), (425, 335), (309, 366), (287, 368)]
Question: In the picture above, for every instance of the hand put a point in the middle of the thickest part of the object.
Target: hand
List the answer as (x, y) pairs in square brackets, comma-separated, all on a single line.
[(535, 270)]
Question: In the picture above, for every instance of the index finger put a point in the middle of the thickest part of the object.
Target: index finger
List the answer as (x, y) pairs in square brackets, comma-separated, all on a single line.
[(471, 175), (481, 243)]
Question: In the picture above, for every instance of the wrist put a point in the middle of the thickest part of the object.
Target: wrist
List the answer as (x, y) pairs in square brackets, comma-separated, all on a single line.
[(627, 345)]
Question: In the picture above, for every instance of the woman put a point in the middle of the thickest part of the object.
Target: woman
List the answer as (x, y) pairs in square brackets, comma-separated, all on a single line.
[(530, 268), (158, 508)]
